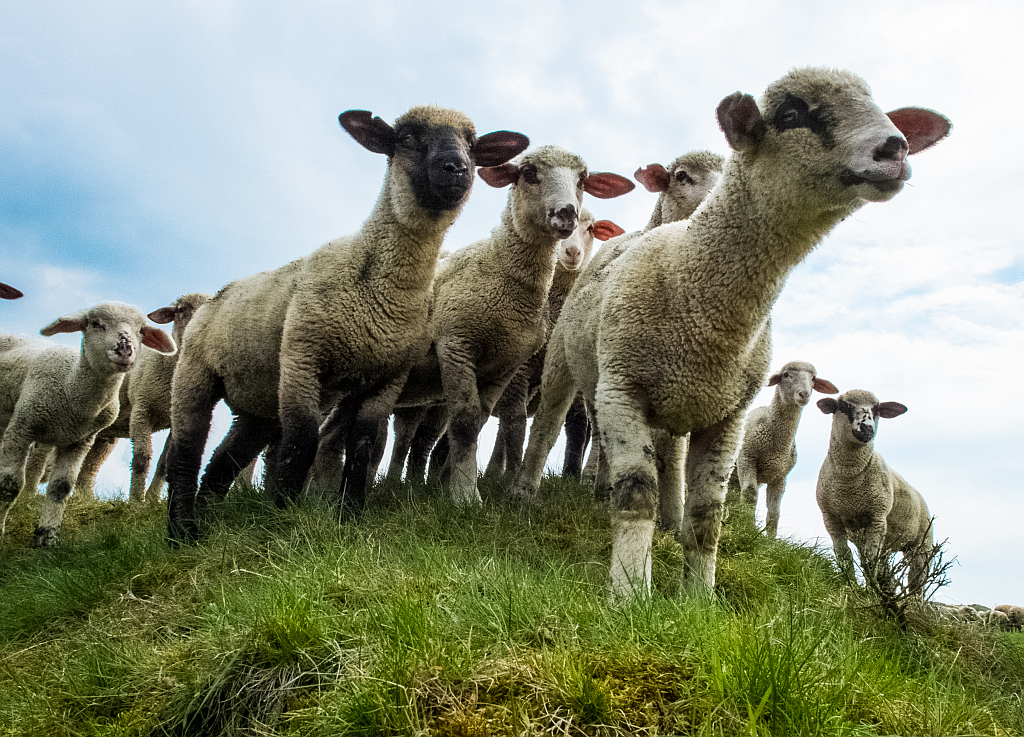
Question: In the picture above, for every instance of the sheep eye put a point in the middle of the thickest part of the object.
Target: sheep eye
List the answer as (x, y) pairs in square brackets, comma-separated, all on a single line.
[(683, 178), (785, 375), (529, 173), (409, 140), (97, 325), (793, 113)]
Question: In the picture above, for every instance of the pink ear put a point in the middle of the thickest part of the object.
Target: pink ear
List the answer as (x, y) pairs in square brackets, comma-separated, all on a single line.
[(499, 176), (740, 121), (163, 316), (373, 133), (824, 386), (605, 229), (891, 409), (923, 128), (774, 379), (498, 147), (654, 177), (828, 405), (158, 340), (67, 324), (9, 292), (605, 185)]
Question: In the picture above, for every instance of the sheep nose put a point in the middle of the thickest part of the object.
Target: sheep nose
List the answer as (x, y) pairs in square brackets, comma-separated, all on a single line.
[(573, 252), (895, 148), (124, 348), (456, 167)]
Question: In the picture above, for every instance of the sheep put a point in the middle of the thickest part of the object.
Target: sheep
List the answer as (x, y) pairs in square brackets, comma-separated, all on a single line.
[(681, 187), (145, 408), (862, 499), (490, 299), (768, 452), (56, 396), (515, 404), (9, 292), (996, 618), (340, 327), (681, 340), (1014, 616)]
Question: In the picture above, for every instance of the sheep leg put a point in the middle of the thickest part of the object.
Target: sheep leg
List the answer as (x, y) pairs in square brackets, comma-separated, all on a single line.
[(496, 464), (38, 460), (773, 498), (438, 471), (156, 486), (869, 542), (330, 452), (590, 469), (709, 460), (15, 448), (426, 437), (141, 433), (746, 471), (670, 452), (407, 422), (66, 466), (370, 421), (512, 424), (466, 415), (557, 390), (629, 447), (98, 453), (249, 434), (577, 435)]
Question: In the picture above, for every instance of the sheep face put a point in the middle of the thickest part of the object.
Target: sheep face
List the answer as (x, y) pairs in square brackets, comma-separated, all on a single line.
[(683, 184), (435, 149), (796, 380), (819, 133), (180, 312), (547, 191), (112, 335), (856, 414)]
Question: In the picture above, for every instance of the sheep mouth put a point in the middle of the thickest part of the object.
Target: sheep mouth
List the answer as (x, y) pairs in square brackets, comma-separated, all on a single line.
[(564, 233), (884, 184), (121, 365), (864, 435), (571, 265)]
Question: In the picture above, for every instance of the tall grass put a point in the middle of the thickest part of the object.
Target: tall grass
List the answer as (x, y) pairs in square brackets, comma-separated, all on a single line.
[(425, 618)]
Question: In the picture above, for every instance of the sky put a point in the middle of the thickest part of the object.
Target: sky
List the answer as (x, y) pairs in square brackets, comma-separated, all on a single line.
[(148, 150)]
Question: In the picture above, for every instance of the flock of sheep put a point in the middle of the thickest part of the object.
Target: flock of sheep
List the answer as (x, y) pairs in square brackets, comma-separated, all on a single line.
[(655, 348)]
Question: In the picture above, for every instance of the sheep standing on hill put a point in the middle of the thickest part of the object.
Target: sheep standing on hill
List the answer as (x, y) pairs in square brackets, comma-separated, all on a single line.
[(862, 499), (682, 338), (490, 299), (145, 407), (9, 292), (340, 327), (768, 452), (56, 396)]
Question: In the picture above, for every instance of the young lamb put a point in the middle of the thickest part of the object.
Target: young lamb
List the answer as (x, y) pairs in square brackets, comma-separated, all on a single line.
[(681, 340), (145, 400), (9, 292), (768, 452), (862, 499), (490, 299), (56, 396), (340, 327)]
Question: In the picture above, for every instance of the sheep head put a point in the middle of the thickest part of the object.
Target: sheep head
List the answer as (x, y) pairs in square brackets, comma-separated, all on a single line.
[(112, 334), (856, 414)]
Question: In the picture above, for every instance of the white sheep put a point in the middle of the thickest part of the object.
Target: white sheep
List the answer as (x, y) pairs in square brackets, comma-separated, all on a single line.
[(340, 327), (490, 299), (145, 407), (57, 396), (682, 339), (768, 452), (863, 500), (9, 292), (1014, 616)]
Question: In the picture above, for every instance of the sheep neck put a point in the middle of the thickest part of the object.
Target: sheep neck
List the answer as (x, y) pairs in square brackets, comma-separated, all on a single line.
[(523, 257), (785, 419), (849, 458), (90, 387)]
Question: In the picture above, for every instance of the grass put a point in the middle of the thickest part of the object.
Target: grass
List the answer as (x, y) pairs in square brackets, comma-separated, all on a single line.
[(424, 618)]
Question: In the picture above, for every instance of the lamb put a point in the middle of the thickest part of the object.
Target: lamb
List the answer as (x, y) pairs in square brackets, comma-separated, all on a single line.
[(768, 452), (490, 299), (9, 292), (681, 341), (862, 499), (145, 408), (340, 327), (56, 396)]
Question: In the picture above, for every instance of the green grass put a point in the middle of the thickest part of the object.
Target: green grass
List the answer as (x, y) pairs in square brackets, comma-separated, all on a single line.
[(424, 618)]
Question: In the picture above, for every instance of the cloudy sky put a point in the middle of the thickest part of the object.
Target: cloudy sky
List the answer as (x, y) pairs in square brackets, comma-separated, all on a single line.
[(154, 149)]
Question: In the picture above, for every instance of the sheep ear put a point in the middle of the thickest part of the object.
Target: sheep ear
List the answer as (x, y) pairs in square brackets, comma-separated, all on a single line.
[(654, 177), (499, 176), (158, 340), (498, 147), (68, 324), (741, 122), (605, 229), (605, 185), (373, 133), (9, 292), (824, 386), (923, 128), (164, 315), (889, 410), (774, 379), (828, 405)]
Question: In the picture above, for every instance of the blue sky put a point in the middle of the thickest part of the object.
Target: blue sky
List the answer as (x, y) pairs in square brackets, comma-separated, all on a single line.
[(153, 149)]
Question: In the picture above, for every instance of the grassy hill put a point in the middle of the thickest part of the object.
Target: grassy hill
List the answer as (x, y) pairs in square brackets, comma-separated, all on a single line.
[(424, 618)]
